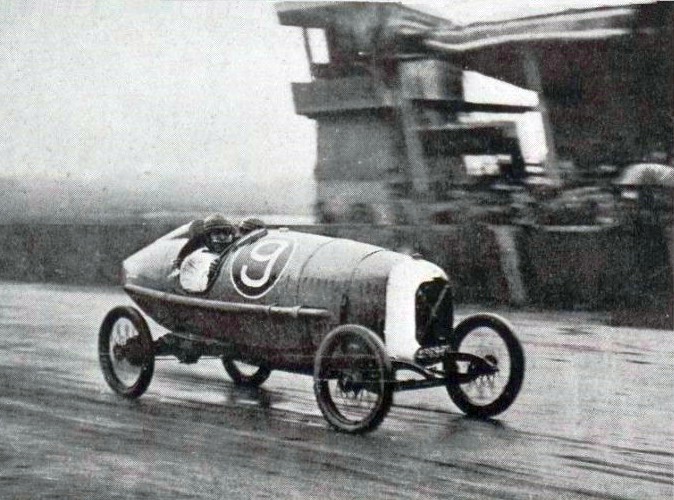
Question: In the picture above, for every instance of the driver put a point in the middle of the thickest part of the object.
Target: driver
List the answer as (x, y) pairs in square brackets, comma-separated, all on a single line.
[(219, 233), (214, 234)]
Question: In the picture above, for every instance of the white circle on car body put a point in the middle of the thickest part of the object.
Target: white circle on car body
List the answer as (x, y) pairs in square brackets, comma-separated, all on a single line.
[(257, 268)]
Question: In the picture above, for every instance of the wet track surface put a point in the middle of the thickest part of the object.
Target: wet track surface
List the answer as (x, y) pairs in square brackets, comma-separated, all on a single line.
[(595, 418)]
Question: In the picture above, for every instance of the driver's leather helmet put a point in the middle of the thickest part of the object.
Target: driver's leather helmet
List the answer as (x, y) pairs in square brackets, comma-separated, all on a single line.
[(219, 232)]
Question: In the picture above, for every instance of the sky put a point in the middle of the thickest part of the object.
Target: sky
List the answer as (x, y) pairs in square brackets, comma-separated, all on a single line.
[(137, 90), (160, 93)]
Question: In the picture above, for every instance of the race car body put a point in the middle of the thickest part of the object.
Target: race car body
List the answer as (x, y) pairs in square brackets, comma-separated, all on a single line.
[(353, 314), (277, 293)]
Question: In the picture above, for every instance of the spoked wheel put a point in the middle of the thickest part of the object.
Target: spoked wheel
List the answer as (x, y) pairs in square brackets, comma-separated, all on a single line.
[(487, 394), (125, 352), (244, 374), (353, 379)]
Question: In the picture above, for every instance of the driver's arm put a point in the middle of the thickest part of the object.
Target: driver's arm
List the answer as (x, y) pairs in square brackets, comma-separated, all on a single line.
[(193, 244)]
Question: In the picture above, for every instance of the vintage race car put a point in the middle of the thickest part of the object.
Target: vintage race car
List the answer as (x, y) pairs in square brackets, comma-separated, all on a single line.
[(365, 321)]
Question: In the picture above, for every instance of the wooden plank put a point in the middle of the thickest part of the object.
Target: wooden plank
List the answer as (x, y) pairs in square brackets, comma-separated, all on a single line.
[(338, 95)]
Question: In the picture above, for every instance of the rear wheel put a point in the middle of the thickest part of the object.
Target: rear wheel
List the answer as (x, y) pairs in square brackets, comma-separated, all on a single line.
[(244, 374), (490, 338), (125, 352), (353, 379)]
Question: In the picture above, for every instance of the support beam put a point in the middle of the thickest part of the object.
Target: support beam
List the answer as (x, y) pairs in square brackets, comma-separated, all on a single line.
[(534, 81)]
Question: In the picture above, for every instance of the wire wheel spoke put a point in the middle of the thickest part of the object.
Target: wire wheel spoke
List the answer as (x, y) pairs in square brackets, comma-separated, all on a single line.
[(125, 351), (354, 393), (488, 345), (487, 386), (351, 379), (125, 338)]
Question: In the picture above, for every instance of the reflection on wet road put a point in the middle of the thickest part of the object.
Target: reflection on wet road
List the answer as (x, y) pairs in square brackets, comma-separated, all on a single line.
[(595, 418)]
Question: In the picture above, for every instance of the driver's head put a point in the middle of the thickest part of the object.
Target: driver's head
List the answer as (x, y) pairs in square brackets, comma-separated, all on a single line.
[(220, 233)]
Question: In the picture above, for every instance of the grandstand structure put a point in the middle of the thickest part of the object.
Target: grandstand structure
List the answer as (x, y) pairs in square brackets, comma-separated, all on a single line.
[(415, 113)]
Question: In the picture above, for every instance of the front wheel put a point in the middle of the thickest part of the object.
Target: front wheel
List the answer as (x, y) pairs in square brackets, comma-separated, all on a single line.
[(490, 338), (244, 374), (125, 352), (353, 379)]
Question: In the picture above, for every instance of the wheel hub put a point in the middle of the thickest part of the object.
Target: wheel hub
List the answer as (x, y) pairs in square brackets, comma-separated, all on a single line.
[(351, 384), (131, 351)]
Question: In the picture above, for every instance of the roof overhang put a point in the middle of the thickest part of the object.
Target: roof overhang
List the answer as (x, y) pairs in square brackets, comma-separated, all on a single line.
[(363, 27), (329, 14), (596, 24), (367, 20)]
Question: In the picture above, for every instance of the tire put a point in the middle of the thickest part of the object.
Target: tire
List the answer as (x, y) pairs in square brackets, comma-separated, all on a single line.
[(125, 352), (353, 379), (495, 392), (240, 374)]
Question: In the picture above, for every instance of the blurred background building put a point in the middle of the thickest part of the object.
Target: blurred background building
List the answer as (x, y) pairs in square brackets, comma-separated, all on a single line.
[(605, 76), (411, 107)]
